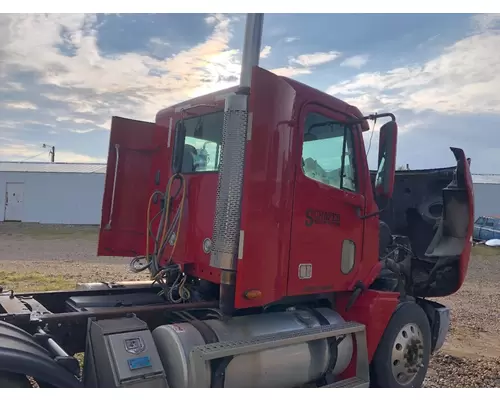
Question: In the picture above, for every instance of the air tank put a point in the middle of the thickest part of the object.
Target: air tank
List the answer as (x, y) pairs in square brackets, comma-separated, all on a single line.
[(289, 366)]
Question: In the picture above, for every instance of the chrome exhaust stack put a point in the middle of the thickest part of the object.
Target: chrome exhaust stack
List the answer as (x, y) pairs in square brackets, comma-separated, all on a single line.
[(226, 229)]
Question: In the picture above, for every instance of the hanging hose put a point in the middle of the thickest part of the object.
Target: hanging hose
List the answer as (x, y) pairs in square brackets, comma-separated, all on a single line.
[(175, 291)]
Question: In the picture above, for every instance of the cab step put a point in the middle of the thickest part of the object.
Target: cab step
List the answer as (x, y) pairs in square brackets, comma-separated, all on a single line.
[(201, 354)]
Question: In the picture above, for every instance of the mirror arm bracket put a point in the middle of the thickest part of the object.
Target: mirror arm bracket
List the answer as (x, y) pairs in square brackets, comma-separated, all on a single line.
[(372, 117), (373, 214)]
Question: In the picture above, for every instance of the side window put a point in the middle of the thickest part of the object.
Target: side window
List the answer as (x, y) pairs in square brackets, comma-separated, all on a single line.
[(480, 221), (325, 156), (202, 144), (489, 222)]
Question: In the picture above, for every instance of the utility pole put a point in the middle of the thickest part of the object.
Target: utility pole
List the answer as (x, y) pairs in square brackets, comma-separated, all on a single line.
[(52, 152)]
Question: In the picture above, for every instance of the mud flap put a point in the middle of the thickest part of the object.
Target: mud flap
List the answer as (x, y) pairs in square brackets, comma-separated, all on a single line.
[(439, 319)]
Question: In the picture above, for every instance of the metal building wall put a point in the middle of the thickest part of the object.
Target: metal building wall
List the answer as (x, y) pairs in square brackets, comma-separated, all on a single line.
[(57, 198), (486, 199)]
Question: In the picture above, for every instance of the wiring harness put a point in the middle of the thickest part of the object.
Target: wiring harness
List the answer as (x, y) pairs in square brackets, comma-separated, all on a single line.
[(168, 275)]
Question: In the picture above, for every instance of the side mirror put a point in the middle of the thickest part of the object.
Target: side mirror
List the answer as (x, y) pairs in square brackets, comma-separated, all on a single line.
[(179, 141), (384, 180)]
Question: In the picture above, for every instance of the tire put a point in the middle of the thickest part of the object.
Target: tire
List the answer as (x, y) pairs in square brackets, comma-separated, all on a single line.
[(408, 333), (11, 380)]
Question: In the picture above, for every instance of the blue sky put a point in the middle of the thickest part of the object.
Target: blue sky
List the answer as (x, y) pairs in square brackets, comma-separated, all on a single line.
[(62, 77)]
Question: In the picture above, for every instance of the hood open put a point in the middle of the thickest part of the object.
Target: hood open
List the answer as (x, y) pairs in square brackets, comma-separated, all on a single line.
[(434, 209)]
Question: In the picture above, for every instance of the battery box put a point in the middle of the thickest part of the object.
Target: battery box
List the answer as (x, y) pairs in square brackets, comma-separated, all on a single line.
[(121, 353)]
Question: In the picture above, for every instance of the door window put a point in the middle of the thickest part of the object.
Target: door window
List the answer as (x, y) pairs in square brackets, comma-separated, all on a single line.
[(327, 152)]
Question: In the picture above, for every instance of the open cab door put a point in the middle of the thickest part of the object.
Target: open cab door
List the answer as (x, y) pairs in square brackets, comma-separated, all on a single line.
[(128, 186)]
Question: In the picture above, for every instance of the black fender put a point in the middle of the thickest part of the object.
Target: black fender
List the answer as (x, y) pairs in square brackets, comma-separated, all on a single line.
[(19, 353), (439, 319)]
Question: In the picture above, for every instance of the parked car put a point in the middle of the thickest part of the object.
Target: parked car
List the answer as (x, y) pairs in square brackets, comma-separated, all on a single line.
[(486, 228)]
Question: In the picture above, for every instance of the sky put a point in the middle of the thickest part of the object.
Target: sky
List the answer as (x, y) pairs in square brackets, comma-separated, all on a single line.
[(63, 76)]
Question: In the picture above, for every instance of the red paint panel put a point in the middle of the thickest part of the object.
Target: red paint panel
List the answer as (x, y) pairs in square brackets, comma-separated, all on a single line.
[(267, 191), (123, 218), (201, 188), (320, 244), (373, 309)]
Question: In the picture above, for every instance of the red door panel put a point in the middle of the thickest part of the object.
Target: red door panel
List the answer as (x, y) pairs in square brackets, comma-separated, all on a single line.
[(128, 186), (324, 216)]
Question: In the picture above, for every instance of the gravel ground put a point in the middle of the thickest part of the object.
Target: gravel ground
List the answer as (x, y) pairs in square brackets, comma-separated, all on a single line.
[(33, 257)]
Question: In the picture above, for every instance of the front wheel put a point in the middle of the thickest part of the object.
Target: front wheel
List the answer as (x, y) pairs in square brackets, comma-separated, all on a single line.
[(402, 356)]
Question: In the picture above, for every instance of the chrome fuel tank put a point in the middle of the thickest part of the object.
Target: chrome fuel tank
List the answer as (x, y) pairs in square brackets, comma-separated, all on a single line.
[(288, 366)]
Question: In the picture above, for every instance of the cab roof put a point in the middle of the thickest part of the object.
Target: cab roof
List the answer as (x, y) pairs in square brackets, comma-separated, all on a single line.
[(301, 89)]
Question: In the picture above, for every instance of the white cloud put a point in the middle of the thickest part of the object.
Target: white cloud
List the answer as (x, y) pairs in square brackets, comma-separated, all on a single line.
[(265, 52), (355, 61), (21, 105), (464, 79), (304, 64), (77, 130), (291, 39), (129, 84), (313, 59), (11, 87), (4, 124), (75, 120), (291, 71), (484, 22)]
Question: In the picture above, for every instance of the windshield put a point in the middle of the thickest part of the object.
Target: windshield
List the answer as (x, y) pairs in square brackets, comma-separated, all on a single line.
[(202, 143)]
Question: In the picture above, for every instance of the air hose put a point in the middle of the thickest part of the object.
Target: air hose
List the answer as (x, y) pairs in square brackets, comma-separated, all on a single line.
[(161, 273)]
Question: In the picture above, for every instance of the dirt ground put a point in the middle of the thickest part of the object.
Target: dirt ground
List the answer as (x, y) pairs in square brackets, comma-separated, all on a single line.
[(34, 257)]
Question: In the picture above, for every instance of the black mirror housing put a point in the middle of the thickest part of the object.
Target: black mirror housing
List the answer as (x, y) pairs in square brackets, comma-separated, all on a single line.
[(384, 180), (179, 141)]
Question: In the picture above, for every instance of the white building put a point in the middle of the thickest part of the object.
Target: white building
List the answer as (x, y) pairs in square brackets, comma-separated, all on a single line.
[(52, 193), (71, 193), (486, 195)]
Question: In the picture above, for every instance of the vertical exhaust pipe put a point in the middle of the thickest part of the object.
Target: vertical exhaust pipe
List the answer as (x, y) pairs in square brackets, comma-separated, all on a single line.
[(226, 229)]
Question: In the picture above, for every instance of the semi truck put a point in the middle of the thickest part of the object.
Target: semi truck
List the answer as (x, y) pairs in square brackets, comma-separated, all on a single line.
[(276, 257)]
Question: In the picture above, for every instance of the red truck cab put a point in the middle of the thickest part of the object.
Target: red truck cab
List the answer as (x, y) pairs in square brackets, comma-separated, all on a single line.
[(304, 230)]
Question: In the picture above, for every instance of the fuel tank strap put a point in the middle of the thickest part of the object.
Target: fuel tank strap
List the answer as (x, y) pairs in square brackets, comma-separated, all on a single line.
[(206, 332), (218, 366), (320, 317), (323, 322), (333, 343)]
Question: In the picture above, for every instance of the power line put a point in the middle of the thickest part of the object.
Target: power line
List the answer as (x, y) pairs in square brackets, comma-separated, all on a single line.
[(36, 155)]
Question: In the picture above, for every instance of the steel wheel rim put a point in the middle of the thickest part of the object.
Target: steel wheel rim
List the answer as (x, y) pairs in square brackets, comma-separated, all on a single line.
[(407, 354)]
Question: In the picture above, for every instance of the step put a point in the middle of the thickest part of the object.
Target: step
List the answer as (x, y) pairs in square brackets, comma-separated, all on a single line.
[(265, 342), (353, 382)]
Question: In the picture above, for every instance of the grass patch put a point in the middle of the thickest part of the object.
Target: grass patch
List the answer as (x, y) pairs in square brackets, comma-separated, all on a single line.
[(485, 251), (50, 232), (80, 357), (34, 282)]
